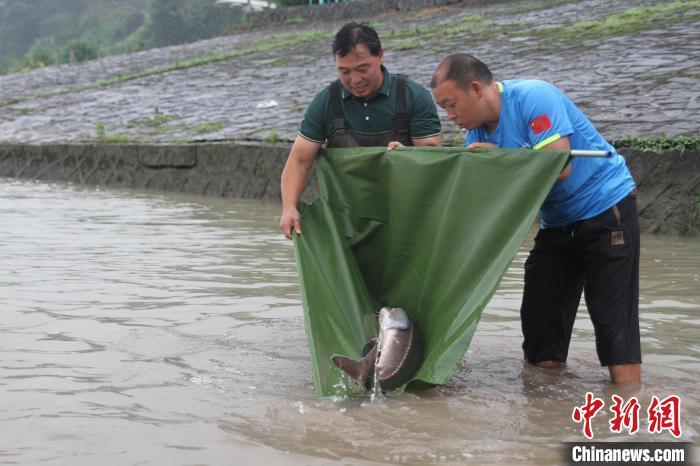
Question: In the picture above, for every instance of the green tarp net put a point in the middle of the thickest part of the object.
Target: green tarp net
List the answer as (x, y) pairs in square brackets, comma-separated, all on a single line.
[(430, 230)]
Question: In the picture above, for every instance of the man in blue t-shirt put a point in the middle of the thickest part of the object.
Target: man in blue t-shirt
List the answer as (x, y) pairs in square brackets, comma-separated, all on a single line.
[(589, 232)]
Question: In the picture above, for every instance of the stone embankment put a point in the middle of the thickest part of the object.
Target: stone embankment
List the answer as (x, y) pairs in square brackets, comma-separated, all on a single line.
[(668, 182), (633, 66), (225, 170)]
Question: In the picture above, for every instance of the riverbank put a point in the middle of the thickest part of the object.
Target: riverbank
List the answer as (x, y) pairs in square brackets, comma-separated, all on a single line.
[(668, 181), (256, 84), (216, 117)]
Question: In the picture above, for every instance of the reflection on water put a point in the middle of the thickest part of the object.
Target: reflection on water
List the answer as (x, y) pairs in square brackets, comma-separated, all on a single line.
[(145, 328)]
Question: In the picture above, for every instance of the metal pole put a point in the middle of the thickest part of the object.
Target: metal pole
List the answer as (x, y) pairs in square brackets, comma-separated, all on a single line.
[(590, 153)]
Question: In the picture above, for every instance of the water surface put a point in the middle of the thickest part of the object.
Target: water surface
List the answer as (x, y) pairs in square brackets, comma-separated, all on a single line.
[(147, 328)]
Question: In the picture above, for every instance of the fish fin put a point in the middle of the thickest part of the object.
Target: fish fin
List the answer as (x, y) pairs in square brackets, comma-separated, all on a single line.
[(369, 346), (361, 371)]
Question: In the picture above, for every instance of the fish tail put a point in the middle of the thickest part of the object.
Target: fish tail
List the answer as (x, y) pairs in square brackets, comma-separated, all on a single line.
[(361, 371)]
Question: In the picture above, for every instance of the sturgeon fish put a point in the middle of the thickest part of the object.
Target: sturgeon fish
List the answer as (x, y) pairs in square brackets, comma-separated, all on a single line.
[(397, 354)]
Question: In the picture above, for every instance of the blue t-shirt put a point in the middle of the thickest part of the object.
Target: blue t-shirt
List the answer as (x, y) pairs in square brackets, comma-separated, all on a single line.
[(536, 113)]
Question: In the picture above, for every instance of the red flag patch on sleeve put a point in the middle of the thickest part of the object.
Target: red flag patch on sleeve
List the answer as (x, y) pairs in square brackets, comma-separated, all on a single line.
[(540, 124)]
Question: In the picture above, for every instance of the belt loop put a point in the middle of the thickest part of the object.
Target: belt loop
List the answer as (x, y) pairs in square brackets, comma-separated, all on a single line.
[(616, 211)]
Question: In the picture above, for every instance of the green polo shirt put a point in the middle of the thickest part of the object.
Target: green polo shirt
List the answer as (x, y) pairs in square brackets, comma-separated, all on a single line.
[(376, 115)]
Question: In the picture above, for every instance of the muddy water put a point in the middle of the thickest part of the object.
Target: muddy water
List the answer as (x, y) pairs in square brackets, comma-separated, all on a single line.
[(146, 328)]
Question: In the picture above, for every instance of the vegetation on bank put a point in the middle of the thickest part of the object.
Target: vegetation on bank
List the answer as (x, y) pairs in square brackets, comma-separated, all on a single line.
[(406, 38), (165, 16), (110, 138), (36, 33), (691, 217), (680, 143), (454, 137), (274, 42), (626, 22)]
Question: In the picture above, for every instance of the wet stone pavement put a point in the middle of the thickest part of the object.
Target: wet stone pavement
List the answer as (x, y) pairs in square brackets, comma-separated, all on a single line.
[(634, 69)]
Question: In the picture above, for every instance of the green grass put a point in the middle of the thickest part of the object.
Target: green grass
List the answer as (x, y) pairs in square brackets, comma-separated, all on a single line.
[(115, 139), (177, 140), (272, 136), (155, 124), (680, 143), (158, 119), (209, 127), (14, 100), (252, 132), (691, 218), (109, 138), (281, 61), (629, 21), (407, 44)]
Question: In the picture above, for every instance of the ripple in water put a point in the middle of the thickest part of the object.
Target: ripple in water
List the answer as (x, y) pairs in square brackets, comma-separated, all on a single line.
[(164, 328)]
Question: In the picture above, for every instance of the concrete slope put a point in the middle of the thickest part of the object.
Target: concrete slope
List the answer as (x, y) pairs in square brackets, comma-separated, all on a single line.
[(632, 65)]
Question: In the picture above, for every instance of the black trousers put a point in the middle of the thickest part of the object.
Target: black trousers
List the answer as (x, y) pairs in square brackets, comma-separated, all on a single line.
[(598, 256)]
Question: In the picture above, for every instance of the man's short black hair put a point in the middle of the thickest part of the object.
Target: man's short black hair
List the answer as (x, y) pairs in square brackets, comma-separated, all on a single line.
[(353, 33), (461, 68)]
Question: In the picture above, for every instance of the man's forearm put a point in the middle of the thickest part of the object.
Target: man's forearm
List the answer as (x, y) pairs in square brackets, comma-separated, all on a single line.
[(294, 179), (429, 141), (296, 171)]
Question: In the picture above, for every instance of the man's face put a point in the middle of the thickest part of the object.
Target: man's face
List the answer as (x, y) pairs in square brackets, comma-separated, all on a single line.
[(360, 71), (462, 106)]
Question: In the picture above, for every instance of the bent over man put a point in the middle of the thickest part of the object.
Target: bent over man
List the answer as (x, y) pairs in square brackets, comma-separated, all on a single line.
[(367, 106), (589, 233)]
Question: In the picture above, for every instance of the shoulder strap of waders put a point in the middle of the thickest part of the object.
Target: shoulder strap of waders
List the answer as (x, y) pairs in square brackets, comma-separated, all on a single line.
[(337, 115), (400, 113)]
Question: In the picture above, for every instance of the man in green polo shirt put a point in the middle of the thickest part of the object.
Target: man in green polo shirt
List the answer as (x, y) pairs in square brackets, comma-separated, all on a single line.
[(367, 106)]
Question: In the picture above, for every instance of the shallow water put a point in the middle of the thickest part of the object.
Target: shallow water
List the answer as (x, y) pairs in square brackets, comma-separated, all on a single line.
[(147, 328)]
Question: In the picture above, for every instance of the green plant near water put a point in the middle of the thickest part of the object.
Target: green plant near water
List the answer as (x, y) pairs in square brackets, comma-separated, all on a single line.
[(158, 119), (691, 218), (100, 130), (272, 136), (211, 127), (107, 138), (681, 143), (156, 124)]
